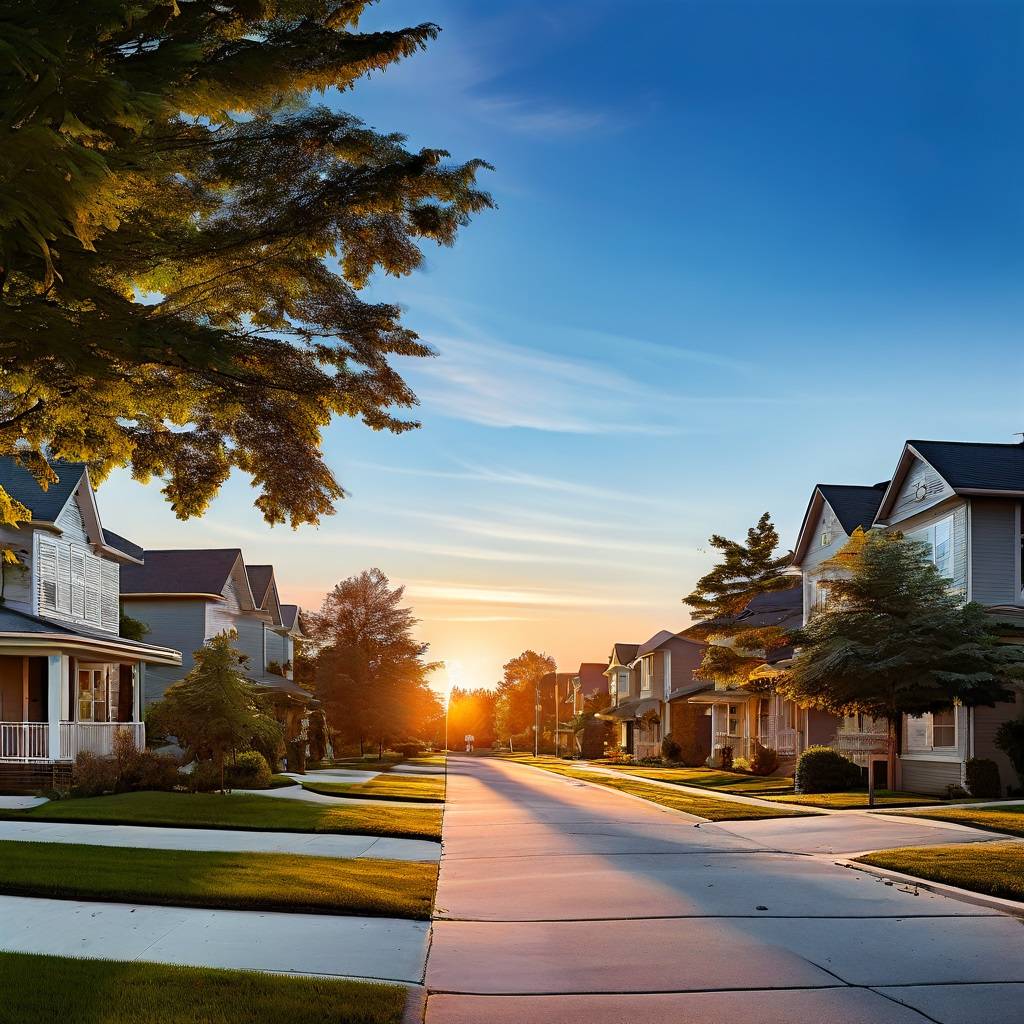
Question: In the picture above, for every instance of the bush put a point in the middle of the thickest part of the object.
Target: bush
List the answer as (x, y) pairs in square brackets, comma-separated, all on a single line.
[(983, 778), (249, 770), (205, 777), (1010, 740), (725, 759), (740, 764), (824, 770), (670, 749), (92, 775), (765, 760), (408, 749), (650, 762)]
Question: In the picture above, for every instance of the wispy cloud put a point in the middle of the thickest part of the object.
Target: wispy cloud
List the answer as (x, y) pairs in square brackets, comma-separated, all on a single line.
[(529, 116), (465, 593)]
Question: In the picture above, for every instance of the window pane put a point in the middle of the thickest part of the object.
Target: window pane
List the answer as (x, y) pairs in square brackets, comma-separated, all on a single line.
[(944, 728)]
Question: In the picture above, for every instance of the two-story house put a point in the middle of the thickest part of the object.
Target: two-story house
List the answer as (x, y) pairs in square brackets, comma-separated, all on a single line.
[(963, 500), (68, 680), (188, 596), (644, 682)]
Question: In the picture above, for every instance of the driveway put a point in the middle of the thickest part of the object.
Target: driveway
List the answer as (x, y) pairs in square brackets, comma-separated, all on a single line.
[(560, 901)]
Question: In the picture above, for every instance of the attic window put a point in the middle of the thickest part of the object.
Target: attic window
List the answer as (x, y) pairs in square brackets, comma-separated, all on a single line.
[(826, 538)]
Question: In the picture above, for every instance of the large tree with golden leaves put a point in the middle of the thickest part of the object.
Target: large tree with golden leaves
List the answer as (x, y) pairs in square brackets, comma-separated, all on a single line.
[(184, 234)]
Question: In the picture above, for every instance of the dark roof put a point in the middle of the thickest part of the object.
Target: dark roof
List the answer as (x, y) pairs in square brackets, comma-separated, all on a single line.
[(21, 485), (624, 653), (269, 681), (776, 608), (661, 638), (592, 678), (974, 465), (259, 581), (290, 616), (189, 571), (115, 540), (853, 505)]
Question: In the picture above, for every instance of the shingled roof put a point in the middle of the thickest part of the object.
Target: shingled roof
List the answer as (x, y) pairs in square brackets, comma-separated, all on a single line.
[(46, 505), (185, 571), (115, 540), (972, 465), (260, 577), (854, 505)]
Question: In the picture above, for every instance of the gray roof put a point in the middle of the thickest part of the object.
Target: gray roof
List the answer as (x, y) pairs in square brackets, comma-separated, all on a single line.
[(269, 681), (625, 653), (290, 616), (21, 485), (660, 639), (854, 505), (12, 621), (115, 540), (260, 577), (775, 608), (188, 571), (970, 465)]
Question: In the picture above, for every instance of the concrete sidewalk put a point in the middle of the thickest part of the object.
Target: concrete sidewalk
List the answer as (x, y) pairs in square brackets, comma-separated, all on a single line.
[(229, 841), (566, 902), (313, 944)]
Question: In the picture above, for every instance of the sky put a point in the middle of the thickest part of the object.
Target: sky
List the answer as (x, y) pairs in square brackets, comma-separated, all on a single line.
[(739, 249)]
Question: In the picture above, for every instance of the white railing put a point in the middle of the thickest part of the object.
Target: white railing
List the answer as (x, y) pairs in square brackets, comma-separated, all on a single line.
[(742, 746), (96, 737), (24, 741), (858, 745)]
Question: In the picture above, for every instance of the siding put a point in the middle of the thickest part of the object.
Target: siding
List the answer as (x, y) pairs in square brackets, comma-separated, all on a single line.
[(930, 777), (928, 517), (250, 641), (178, 624), (993, 551), (986, 724), (907, 503), (818, 552), (71, 523)]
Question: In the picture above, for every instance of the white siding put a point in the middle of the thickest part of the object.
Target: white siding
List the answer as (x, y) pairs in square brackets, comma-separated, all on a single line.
[(827, 524), (906, 502), (71, 523)]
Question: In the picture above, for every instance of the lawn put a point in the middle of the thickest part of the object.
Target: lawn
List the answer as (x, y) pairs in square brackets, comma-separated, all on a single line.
[(232, 881), (702, 806), (710, 778), (992, 868), (385, 787), (851, 799), (1008, 818), (74, 991), (246, 812)]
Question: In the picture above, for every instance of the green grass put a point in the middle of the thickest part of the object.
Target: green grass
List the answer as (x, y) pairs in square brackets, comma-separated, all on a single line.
[(709, 778), (1007, 818), (245, 812), (74, 991), (385, 787), (852, 799), (992, 868), (704, 807), (233, 881)]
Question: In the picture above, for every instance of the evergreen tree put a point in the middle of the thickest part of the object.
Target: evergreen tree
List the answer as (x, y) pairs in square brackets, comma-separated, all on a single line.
[(184, 234), (367, 667), (893, 639), (215, 711), (745, 571)]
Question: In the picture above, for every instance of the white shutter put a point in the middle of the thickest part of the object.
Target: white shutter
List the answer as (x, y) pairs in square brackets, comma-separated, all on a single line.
[(46, 568), (110, 579), (64, 579), (92, 590), (78, 558)]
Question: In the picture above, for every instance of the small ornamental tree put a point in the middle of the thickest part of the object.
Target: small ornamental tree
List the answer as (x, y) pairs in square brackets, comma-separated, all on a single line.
[(745, 571), (893, 639), (214, 711)]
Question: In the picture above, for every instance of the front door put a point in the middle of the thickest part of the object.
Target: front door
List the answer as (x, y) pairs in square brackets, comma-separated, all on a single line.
[(98, 692)]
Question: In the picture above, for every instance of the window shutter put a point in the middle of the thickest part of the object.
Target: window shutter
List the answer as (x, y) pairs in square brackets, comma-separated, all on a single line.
[(78, 558), (110, 579), (92, 590), (63, 579), (46, 568)]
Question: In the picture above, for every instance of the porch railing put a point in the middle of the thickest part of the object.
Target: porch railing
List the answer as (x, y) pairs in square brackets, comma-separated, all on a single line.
[(784, 740), (742, 746), (96, 737), (24, 741)]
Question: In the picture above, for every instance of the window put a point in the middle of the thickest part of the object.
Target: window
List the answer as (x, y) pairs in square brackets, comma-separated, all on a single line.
[(733, 719), (944, 728), (826, 538), (647, 674), (611, 686), (98, 692), (938, 542)]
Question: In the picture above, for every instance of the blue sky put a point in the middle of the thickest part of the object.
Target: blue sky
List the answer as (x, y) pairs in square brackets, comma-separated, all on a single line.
[(740, 248)]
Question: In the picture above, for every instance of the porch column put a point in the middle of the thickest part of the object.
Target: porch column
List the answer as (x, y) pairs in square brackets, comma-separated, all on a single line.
[(138, 688), (57, 686)]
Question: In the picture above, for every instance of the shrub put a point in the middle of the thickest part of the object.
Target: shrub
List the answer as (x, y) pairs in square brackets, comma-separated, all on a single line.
[(740, 764), (765, 760), (92, 775), (408, 749), (983, 778), (725, 758), (1010, 740), (205, 777), (670, 749), (249, 770), (156, 771), (824, 770), (650, 762)]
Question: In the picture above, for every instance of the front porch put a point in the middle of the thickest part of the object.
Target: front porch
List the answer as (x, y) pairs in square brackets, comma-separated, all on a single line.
[(27, 742)]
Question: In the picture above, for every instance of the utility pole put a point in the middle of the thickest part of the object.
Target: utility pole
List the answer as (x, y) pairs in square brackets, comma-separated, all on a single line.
[(556, 712), (536, 721)]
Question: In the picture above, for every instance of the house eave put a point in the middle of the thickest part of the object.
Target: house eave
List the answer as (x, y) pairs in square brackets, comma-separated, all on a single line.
[(71, 641)]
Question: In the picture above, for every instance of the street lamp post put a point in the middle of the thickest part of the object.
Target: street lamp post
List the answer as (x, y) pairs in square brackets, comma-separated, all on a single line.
[(536, 721)]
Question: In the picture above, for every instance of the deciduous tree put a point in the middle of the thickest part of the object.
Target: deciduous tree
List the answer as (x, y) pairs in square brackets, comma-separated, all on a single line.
[(517, 692), (185, 229)]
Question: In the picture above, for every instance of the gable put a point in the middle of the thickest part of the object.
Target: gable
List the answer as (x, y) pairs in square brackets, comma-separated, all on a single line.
[(916, 486)]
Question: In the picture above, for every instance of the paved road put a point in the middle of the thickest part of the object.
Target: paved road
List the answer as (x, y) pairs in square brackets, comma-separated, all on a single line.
[(563, 902)]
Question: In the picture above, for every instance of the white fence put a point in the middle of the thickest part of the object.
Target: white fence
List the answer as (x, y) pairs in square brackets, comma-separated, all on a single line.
[(30, 741), (24, 741)]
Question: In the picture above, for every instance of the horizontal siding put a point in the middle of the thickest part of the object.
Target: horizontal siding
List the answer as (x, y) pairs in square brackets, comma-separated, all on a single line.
[(930, 777), (986, 724), (178, 624), (906, 502), (993, 551), (71, 524)]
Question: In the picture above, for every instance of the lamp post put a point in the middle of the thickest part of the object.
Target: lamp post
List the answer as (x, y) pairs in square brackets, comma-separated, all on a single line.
[(556, 712), (536, 721)]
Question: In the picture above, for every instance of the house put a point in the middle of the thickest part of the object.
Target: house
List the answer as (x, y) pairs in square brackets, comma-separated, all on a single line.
[(963, 500), (742, 717), (68, 680), (188, 596), (645, 682)]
